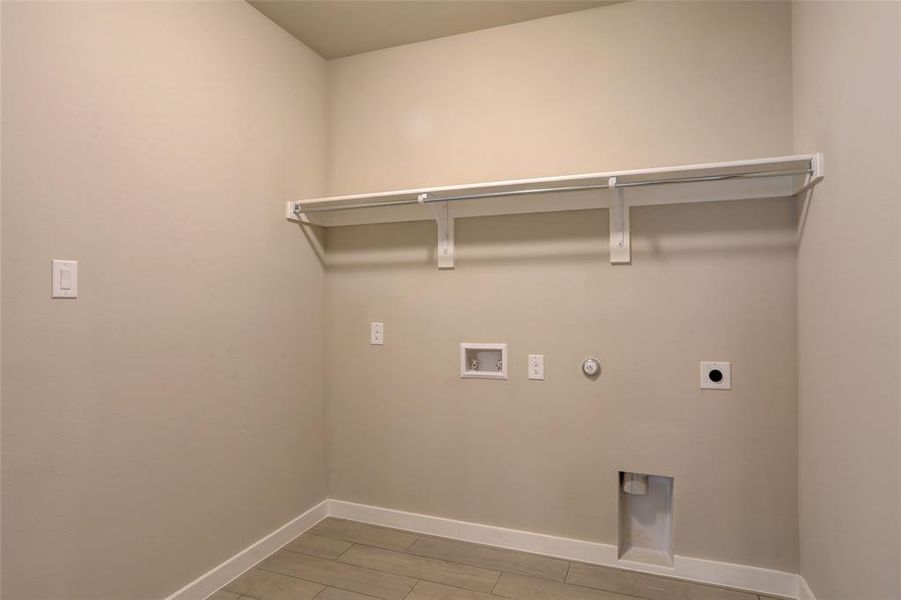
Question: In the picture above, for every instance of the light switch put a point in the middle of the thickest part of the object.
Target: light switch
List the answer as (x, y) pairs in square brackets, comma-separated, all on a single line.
[(64, 283), (377, 334)]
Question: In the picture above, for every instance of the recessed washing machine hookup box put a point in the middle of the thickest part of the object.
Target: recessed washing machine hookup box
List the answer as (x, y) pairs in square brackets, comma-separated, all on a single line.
[(483, 361)]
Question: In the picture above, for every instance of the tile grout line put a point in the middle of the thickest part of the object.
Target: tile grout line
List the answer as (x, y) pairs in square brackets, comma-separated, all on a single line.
[(338, 539), (499, 573), (407, 595), (452, 562), (407, 551), (327, 585), (345, 551), (447, 560), (471, 564), (450, 585), (457, 587), (496, 583), (347, 590), (585, 587), (569, 562), (492, 592)]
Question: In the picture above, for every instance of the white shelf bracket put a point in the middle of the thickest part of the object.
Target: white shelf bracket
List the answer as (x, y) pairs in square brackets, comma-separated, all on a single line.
[(293, 213), (817, 173), (445, 223), (620, 239)]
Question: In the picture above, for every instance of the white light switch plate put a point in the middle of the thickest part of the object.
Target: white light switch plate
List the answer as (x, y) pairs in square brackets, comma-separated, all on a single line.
[(377, 334), (536, 366), (64, 282), (716, 376)]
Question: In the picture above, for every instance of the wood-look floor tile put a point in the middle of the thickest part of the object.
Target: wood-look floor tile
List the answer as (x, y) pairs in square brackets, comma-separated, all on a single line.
[(360, 533), (419, 567), (532, 588), (426, 590), (266, 585), (488, 557), (339, 575), (224, 595), (316, 545), (652, 587), (331, 593)]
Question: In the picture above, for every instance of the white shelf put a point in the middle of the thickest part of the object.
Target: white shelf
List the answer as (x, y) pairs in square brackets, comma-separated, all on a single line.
[(779, 177)]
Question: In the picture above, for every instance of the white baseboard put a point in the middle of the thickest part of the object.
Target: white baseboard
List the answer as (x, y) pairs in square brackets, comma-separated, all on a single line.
[(804, 592), (218, 576), (755, 579)]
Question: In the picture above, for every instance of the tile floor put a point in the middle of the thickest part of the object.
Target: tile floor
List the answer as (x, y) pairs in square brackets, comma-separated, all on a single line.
[(346, 560)]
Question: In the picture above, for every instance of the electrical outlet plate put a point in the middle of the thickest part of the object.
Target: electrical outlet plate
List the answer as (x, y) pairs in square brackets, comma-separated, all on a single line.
[(716, 375), (377, 334), (536, 366)]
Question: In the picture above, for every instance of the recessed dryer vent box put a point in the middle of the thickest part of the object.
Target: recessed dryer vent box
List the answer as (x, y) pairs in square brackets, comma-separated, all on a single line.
[(483, 361), (716, 376), (646, 519)]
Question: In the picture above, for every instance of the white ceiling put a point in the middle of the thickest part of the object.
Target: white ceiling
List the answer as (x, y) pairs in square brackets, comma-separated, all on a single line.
[(336, 28)]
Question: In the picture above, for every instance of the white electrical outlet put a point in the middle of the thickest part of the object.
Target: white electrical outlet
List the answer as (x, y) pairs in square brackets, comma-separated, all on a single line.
[(377, 334), (536, 366), (716, 376)]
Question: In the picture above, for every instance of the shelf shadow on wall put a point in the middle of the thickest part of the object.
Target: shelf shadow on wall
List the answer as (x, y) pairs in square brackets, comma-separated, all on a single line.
[(316, 237), (659, 233)]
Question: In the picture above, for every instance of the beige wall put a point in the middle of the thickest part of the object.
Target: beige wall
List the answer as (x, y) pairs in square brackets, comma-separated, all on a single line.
[(847, 64), (179, 401), (1, 302), (172, 414), (624, 86), (630, 85)]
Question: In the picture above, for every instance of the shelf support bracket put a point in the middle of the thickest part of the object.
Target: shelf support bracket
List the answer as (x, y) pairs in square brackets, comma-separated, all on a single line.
[(293, 212), (816, 174), (445, 223), (620, 238)]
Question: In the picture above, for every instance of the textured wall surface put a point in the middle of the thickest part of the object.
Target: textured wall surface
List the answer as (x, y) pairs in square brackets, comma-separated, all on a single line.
[(625, 86), (173, 413), (847, 58)]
